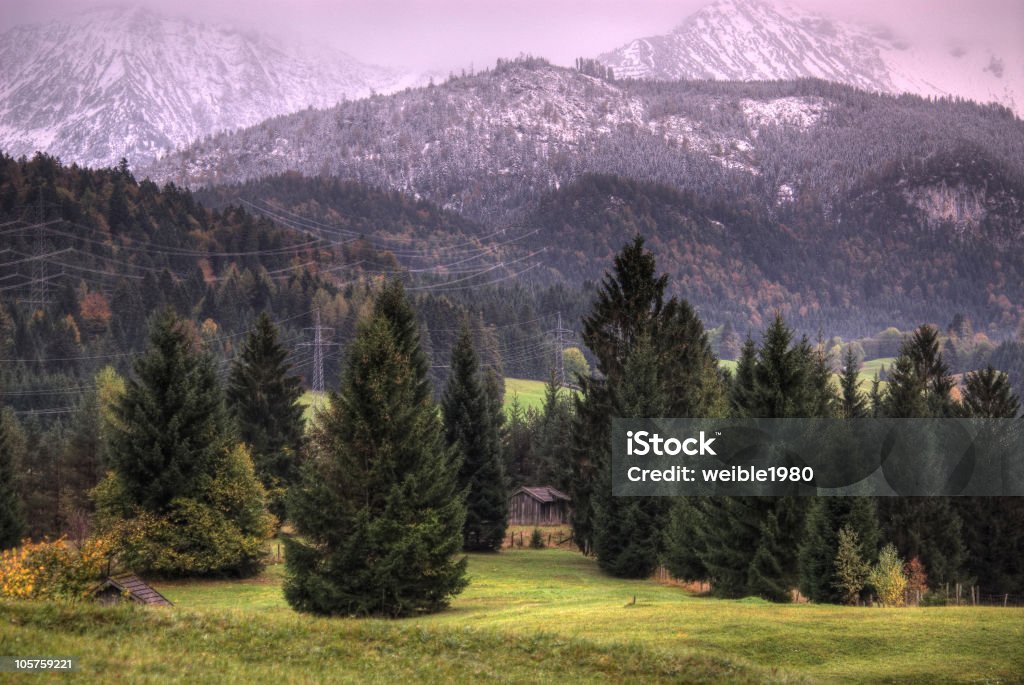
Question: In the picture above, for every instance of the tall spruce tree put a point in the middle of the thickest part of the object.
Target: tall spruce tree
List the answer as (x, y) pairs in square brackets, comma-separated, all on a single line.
[(471, 430), (181, 488), (553, 436), (12, 522), (826, 517), (264, 401), (920, 384), (172, 423), (378, 509), (929, 528), (993, 527), (852, 404), (749, 545), (628, 530), (631, 312), (987, 394)]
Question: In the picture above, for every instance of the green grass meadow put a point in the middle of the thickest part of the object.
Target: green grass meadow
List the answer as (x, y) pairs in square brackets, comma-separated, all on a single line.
[(527, 616)]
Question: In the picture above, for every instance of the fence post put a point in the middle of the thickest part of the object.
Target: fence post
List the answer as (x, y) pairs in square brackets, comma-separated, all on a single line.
[(1006, 598)]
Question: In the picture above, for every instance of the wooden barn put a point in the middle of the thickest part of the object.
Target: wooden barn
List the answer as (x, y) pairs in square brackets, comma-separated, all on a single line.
[(116, 589), (538, 506)]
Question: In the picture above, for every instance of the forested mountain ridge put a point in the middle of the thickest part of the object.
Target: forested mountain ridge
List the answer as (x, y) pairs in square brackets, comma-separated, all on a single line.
[(918, 244), (846, 210), (488, 144)]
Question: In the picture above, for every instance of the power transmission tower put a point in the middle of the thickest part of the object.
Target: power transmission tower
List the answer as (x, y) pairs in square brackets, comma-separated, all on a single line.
[(39, 293), (559, 335), (318, 345)]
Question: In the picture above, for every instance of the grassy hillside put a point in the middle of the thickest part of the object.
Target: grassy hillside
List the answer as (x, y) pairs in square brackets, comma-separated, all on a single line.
[(566, 620), (530, 393)]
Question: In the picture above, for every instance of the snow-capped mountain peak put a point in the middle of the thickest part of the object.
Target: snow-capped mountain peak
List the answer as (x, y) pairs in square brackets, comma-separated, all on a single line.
[(749, 40), (113, 82)]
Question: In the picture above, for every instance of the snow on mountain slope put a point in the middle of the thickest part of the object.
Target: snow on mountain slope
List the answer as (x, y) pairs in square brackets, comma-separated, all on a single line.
[(749, 40), (116, 82)]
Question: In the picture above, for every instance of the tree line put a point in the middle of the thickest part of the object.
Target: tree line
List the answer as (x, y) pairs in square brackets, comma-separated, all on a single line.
[(654, 359)]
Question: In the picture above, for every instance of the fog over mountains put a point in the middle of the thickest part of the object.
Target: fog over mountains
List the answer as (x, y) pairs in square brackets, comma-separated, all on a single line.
[(114, 82), (749, 40)]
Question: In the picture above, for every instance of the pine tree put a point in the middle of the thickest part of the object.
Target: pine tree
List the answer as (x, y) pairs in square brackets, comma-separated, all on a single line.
[(826, 517), (181, 489), (172, 421), (987, 394), (471, 430), (926, 527), (684, 548), (12, 522), (744, 386), (765, 576), (993, 527), (852, 404), (779, 378), (264, 401), (378, 509), (630, 311), (553, 436), (919, 382), (628, 538)]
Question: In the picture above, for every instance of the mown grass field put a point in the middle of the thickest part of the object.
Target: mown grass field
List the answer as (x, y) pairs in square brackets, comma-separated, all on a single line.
[(527, 616)]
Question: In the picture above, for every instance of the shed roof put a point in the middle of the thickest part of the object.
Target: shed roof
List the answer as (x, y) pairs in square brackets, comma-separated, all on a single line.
[(137, 588), (543, 493)]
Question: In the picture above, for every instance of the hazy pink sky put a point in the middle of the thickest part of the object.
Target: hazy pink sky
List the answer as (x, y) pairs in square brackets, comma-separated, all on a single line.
[(448, 34)]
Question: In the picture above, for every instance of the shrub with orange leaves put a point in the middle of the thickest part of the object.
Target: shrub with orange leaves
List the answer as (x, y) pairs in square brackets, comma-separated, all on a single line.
[(52, 569)]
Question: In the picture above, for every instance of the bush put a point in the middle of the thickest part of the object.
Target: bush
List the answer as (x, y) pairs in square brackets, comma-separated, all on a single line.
[(53, 569), (537, 539), (221, 535)]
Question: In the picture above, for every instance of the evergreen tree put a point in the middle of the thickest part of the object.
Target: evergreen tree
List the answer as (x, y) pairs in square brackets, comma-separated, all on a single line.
[(631, 310), (919, 381), (925, 527), (471, 430), (779, 378), (182, 498), (378, 509), (742, 392), (12, 522), (993, 527), (684, 548), (765, 576), (628, 530), (81, 461), (518, 445), (987, 394), (264, 401), (826, 517), (172, 424), (852, 404), (553, 436)]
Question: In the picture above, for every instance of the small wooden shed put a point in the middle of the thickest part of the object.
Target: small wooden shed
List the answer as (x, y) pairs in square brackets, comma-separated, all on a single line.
[(538, 506), (116, 589)]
